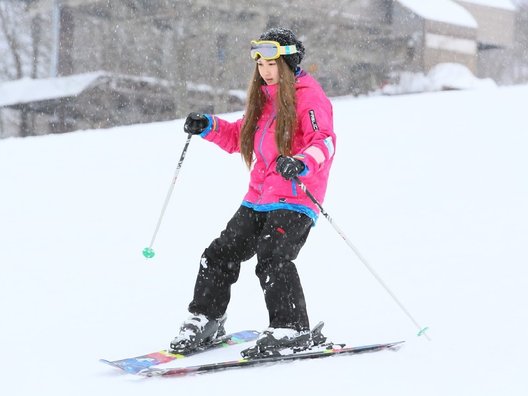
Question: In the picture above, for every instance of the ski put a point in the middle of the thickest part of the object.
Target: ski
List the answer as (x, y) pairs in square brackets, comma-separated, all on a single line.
[(136, 364), (326, 351)]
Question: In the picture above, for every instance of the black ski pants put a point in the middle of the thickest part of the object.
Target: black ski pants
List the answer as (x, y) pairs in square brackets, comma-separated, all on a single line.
[(276, 237)]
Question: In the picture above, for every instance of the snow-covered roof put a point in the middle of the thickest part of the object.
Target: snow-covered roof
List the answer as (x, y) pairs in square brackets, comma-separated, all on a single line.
[(446, 11), (27, 90), (502, 4)]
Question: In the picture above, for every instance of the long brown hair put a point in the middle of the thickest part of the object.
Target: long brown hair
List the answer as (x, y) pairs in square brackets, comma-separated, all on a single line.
[(286, 121)]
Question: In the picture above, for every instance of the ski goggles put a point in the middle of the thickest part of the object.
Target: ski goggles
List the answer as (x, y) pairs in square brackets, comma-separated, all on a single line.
[(270, 50)]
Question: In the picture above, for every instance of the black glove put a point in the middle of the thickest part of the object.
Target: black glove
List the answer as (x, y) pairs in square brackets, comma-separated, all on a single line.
[(196, 123), (289, 167)]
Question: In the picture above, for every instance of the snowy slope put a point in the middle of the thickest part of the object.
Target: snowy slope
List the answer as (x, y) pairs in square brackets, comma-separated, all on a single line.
[(431, 188)]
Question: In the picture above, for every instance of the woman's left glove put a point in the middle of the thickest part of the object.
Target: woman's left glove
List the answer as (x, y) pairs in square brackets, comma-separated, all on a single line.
[(289, 167)]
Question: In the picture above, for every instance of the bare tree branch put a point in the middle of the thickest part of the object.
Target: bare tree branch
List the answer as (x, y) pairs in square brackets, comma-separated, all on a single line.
[(7, 28)]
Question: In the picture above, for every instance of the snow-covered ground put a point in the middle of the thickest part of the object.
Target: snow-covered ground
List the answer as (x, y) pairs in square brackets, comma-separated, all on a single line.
[(443, 76), (431, 188)]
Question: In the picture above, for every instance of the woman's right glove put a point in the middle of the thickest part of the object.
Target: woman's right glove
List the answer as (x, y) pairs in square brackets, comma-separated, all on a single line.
[(196, 123), (289, 167)]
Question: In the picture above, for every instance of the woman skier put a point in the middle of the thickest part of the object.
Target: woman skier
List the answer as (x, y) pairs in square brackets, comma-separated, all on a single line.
[(285, 135)]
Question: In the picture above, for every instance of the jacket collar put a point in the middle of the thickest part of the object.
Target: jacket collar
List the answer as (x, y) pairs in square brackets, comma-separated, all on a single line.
[(269, 90)]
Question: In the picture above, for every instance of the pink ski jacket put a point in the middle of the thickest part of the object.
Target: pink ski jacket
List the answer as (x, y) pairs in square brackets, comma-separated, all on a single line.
[(314, 143)]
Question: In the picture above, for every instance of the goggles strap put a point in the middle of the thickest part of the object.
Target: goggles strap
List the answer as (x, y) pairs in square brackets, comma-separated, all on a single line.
[(287, 49)]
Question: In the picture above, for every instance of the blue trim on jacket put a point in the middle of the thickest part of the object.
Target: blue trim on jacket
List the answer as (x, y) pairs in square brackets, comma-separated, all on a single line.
[(282, 206), (299, 72), (209, 127)]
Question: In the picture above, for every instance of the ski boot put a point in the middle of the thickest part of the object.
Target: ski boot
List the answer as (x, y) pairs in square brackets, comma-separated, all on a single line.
[(196, 332), (284, 341)]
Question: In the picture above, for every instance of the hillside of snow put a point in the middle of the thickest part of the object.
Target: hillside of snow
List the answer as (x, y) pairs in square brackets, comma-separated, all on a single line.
[(431, 188)]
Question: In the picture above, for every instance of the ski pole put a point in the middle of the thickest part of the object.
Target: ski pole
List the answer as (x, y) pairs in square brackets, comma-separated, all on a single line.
[(421, 330), (148, 252)]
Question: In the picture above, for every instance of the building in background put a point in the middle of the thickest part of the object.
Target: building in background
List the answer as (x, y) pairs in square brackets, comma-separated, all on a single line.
[(86, 101), (496, 36), (353, 46)]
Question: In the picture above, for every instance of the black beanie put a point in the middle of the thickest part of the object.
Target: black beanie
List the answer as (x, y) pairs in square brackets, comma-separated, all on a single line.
[(285, 37)]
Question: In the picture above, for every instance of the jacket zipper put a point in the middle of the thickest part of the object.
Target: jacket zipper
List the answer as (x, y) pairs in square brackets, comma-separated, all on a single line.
[(261, 142)]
